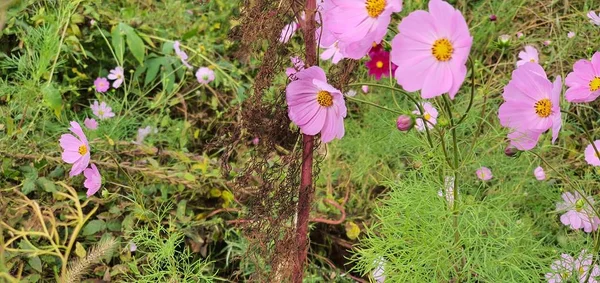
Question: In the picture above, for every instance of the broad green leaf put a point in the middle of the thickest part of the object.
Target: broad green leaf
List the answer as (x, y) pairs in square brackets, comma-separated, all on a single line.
[(35, 263), (79, 250), (28, 186), (153, 68), (181, 207), (135, 44), (93, 227), (189, 177), (189, 34), (114, 225), (46, 185), (117, 42)]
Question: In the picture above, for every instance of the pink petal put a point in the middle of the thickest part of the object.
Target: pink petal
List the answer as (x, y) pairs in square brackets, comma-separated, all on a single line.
[(438, 81), (70, 156), (311, 73), (80, 165), (315, 124), (69, 142)]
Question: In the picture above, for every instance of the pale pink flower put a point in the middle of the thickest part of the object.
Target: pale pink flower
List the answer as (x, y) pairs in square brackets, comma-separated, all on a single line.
[(562, 269), (255, 141), (358, 23), (484, 173), (181, 54), (571, 34), (143, 133), (547, 42), (101, 84), (117, 75), (429, 113), (332, 52), (531, 106), (584, 81), (529, 55), (315, 106), (431, 50), (590, 154), (583, 266), (365, 88), (93, 180), (594, 19), (102, 110), (205, 75), (579, 214), (379, 272), (539, 173), (520, 35), (90, 123), (132, 246), (298, 65), (288, 31), (76, 150)]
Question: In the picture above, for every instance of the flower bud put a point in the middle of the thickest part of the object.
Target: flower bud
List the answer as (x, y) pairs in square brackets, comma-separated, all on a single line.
[(511, 151), (405, 123), (493, 18), (504, 40)]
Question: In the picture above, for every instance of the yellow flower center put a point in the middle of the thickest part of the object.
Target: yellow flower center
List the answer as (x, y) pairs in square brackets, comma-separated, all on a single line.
[(100, 113), (427, 116), (379, 64), (324, 98), (442, 50), (532, 60), (595, 84), (543, 108), (375, 7), (83, 149)]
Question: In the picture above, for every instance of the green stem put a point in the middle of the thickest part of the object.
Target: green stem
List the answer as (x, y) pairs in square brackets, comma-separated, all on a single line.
[(373, 104), (472, 92), (387, 87), (587, 133)]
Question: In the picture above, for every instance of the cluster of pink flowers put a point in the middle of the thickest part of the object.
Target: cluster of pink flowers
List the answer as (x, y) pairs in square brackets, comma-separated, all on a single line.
[(579, 212), (578, 269), (204, 75), (116, 75), (76, 151)]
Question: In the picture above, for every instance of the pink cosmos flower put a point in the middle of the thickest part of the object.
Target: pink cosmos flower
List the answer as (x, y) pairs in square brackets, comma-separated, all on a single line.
[(571, 34), (484, 173), (132, 246), (529, 55), (531, 106), (181, 54), (205, 75), (333, 52), (117, 76), (288, 31), (102, 110), (143, 133), (255, 141), (379, 65), (429, 113), (539, 173), (298, 65), (379, 272), (519, 35), (579, 214), (315, 106), (590, 154), (431, 50), (76, 150), (90, 123), (594, 19), (93, 180), (358, 23), (584, 81), (562, 269), (583, 266), (365, 88), (101, 85)]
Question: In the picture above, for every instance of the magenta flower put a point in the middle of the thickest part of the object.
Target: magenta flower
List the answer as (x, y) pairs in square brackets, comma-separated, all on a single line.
[(76, 150), (332, 52), (584, 81), (93, 180), (315, 106), (594, 19), (101, 84), (288, 31), (539, 173), (358, 23), (205, 75), (102, 110), (431, 50), (90, 123), (181, 54), (529, 55), (484, 173), (531, 106), (590, 154), (562, 269), (298, 65), (571, 34), (379, 65), (579, 214), (117, 76), (429, 113)]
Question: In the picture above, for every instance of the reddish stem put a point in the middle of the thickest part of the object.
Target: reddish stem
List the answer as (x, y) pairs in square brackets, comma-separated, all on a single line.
[(306, 191)]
